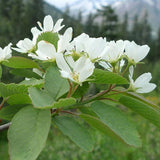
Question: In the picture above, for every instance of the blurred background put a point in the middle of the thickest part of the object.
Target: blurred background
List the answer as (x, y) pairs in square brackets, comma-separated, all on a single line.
[(137, 20)]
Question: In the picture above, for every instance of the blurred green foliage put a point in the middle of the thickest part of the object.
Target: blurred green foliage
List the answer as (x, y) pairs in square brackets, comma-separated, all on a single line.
[(16, 19)]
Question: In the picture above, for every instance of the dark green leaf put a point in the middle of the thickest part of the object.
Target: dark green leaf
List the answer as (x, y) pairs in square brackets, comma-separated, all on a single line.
[(54, 83), (0, 71), (145, 110), (139, 97), (19, 99), (8, 112), (105, 77), (10, 89), (81, 90), (49, 37), (28, 133), (25, 73), (20, 62), (118, 123), (70, 127)]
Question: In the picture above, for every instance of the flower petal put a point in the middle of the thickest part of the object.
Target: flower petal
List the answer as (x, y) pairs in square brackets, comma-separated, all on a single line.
[(57, 26), (46, 50), (48, 23), (146, 88)]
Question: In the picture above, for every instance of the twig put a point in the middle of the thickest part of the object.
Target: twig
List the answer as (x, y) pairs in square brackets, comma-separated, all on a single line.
[(5, 126), (69, 112), (110, 99), (70, 89), (1, 105), (75, 89)]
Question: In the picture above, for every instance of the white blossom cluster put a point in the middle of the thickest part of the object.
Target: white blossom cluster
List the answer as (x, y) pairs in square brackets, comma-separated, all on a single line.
[(76, 57)]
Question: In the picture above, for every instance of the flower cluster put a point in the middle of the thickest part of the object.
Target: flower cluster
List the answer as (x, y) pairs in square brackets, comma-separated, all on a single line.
[(76, 57)]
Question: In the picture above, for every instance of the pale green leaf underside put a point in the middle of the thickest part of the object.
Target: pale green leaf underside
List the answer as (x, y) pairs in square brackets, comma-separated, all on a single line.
[(70, 127), (28, 133), (54, 83), (42, 100), (117, 122)]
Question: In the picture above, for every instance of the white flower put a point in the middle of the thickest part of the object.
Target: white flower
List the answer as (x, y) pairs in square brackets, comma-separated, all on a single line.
[(113, 51), (94, 47), (90, 47), (6, 52), (134, 52), (48, 25), (35, 32), (141, 84), (64, 40), (45, 51), (77, 71), (25, 46)]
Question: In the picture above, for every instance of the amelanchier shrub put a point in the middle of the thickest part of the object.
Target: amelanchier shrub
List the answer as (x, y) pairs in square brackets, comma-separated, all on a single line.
[(58, 73)]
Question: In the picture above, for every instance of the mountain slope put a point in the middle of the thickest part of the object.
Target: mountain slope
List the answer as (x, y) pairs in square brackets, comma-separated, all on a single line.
[(139, 7), (133, 7)]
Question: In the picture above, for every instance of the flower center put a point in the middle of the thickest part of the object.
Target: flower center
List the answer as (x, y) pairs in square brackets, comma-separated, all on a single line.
[(75, 76)]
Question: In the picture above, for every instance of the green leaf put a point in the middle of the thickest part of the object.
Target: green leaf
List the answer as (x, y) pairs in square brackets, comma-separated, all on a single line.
[(0, 71), (81, 90), (117, 122), (20, 62), (87, 110), (40, 98), (105, 77), (28, 133), (145, 110), (139, 97), (49, 37), (54, 83), (70, 127), (8, 112), (19, 99), (25, 73), (33, 82), (11, 89), (63, 102)]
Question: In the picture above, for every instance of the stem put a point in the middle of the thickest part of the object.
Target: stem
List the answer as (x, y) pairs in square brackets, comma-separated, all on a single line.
[(128, 65), (91, 99), (3, 101), (70, 113), (108, 99), (70, 89), (5, 126), (75, 89)]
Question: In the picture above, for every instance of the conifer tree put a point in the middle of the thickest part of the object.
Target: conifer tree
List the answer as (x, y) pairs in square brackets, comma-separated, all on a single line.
[(124, 33), (16, 19), (109, 26), (145, 30), (34, 11)]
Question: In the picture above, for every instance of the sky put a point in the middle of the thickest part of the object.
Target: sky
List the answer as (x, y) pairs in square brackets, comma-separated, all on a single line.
[(63, 3), (60, 3)]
